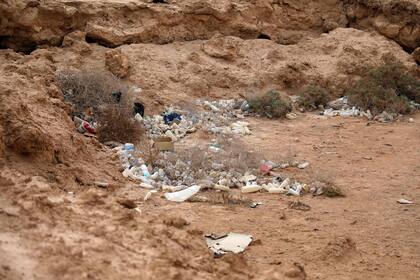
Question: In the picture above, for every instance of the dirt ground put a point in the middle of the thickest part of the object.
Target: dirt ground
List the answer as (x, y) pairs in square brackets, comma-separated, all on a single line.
[(86, 234), (56, 223)]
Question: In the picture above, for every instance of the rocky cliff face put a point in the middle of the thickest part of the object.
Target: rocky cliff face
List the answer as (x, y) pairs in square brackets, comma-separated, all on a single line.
[(27, 23), (396, 20)]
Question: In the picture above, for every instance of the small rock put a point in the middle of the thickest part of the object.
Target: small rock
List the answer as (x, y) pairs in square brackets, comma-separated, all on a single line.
[(101, 184), (117, 63), (127, 203), (176, 222), (297, 205), (410, 120)]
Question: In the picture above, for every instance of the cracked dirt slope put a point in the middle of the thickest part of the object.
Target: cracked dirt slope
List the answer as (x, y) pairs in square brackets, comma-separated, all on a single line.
[(28, 23)]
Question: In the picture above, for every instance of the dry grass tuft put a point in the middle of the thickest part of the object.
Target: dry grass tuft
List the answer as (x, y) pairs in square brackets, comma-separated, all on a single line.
[(270, 104), (313, 96), (116, 123), (332, 191)]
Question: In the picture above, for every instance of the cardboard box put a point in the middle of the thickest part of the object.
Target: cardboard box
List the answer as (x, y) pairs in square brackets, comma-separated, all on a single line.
[(164, 144)]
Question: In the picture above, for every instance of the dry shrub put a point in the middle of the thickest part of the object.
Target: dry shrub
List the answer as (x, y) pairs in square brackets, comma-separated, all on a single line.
[(386, 88), (332, 191), (313, 96), (328, 183), (270, 104), (101, 97), (91, 88), (116, 123)]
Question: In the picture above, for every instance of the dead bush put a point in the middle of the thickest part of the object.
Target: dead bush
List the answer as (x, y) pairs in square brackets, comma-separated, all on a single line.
[(313, 96), (387, 88), (100, 97), (332, 191), (116, 123), (270, 104), (90, 89)]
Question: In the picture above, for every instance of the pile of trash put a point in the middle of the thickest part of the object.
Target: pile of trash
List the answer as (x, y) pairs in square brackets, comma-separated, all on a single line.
[(217, 117), (184, 177), (340, 107)]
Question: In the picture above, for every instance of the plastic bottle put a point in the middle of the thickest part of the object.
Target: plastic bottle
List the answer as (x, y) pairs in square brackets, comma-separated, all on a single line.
[(183, 195), (129, 147), (251, 188), (145, 171)]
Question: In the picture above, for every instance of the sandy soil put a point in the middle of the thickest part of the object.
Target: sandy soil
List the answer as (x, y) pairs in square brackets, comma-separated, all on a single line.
[(365, 235), (55, 223)]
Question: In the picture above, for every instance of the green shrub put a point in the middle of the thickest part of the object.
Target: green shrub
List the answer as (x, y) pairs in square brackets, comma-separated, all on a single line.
[(313, 96), (386, 88), (270, 104)]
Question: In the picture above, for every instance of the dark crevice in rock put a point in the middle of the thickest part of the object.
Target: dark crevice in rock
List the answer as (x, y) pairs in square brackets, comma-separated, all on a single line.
[(17, 44), (159, 1), (264, 36), (407, 49), (94, 40)]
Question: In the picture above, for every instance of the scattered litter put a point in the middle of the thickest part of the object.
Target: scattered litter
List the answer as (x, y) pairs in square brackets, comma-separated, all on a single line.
[(404, 201), (291, 116), (265, 168), (303, 165), (171, 117), (248, 178), (164, 144), (84, 126), (350, 112), (232, 242), (148, 195), (138, 110), (251, 188), (183, 195), (255, 204), (295, 189), (285, 183), (297, 205), (146, 186), (221, 187), (338, 104), (385, 117)]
